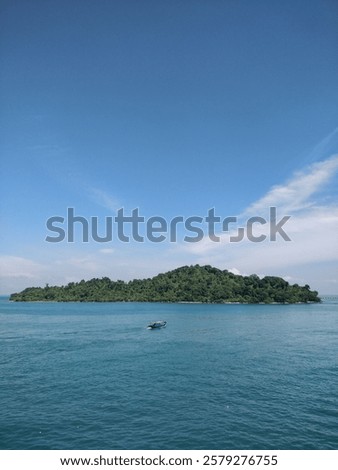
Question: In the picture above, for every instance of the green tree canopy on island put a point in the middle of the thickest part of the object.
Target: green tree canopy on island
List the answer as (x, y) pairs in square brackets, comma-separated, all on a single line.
[(185, 284)]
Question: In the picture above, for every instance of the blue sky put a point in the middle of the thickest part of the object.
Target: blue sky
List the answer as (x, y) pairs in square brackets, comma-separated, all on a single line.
[(173, 107)]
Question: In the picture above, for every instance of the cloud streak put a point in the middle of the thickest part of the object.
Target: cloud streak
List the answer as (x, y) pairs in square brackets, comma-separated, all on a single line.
[(103, 199), (296, 194)]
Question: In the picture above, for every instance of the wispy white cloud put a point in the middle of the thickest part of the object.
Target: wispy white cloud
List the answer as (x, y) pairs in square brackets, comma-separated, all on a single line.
[(17, 272), (107, 251), (325, 148), (296, 194), (104, 199), (18, 267)]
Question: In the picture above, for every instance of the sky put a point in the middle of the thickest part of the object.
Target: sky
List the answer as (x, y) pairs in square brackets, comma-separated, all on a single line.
[(173, 108)]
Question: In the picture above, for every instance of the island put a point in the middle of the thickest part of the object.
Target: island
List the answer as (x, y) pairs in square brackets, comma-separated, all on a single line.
[(200, 284)]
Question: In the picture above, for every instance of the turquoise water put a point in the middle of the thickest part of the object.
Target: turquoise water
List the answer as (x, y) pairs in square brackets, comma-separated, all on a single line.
[(91, 376)]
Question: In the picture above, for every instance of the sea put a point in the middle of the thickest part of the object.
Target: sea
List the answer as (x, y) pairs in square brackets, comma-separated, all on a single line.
[(92, 376)]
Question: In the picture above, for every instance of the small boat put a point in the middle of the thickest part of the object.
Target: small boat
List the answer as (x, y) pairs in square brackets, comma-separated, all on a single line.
[(157, 324)]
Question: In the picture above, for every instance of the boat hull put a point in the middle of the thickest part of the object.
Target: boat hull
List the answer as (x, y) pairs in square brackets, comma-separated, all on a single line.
[(157, 325)]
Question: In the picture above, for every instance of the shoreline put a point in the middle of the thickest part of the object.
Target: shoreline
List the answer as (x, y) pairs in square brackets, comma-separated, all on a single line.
[(183, 302)]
